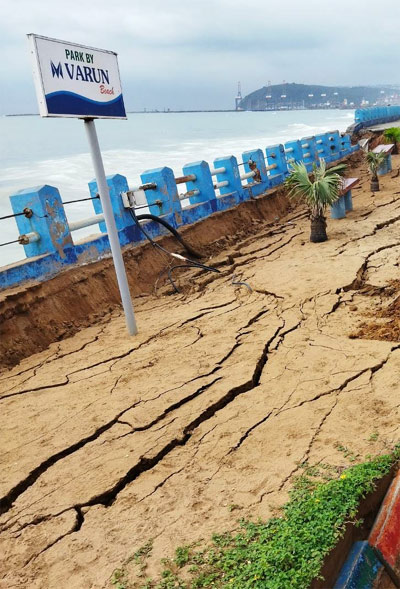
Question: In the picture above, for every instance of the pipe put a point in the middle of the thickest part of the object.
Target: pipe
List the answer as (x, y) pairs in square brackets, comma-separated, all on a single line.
[(271, 167), (26, 238), (75, 225), (216, 171), (183, 179), (221, 184), (248, 175), (194, 192)]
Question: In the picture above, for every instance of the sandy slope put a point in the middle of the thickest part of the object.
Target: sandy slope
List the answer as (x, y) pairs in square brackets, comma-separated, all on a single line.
[(108, 441)]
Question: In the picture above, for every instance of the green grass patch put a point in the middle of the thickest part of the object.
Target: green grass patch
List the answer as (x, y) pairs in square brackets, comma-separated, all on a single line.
[(286, 551)]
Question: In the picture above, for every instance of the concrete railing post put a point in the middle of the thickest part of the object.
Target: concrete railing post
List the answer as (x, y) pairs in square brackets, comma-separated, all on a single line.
[(116, 185), (259, 183), (334, 145), (48, 220), (232, 192), (164, 198), (293, 152), (322, 147), (309, 151), (203, 182), (276, 156), (345, 145)]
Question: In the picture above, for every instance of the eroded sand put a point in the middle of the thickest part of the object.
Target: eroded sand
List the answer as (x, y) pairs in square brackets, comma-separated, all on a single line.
[(108, 441)]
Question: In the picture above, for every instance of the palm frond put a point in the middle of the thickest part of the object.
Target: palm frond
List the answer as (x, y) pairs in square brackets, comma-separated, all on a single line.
[(375, 160), (392, 135), (318, 191), (338, 169)]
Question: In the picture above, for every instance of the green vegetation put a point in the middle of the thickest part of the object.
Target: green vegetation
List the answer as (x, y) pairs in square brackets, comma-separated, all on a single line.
[(286, 551), (319, 189), (374, 161), (392, 135)]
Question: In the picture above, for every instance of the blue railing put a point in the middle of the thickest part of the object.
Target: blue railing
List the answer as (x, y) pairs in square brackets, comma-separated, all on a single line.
[(376, 115), (46, 234)]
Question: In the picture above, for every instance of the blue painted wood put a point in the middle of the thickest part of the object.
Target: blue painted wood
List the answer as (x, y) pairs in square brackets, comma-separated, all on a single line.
[(386, 167), (348, 201), (360, 569), (338, 209)]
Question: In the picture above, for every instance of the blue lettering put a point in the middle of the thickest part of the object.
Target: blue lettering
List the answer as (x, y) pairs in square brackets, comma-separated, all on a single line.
[(104, 76), (70, 70), (79, 73), (88, 74), (96, 72), (56, 70)]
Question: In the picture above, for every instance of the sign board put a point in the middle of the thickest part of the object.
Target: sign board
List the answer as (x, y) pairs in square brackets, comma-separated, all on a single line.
[(75, 80)]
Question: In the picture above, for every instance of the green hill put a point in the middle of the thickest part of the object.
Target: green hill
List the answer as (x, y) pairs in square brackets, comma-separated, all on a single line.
[(291, 96)]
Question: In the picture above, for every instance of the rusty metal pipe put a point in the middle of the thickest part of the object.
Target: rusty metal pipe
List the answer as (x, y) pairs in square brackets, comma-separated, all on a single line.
[(183, 179), (27, 238)]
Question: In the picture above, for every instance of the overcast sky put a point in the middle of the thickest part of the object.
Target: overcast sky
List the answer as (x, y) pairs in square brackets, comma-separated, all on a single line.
[(184, 54)]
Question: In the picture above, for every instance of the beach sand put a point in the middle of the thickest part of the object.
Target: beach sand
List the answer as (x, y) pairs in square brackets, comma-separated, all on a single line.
[(109, 441)]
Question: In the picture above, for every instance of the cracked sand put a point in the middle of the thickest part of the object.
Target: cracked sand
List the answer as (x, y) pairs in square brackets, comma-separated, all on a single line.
[(108, 442)]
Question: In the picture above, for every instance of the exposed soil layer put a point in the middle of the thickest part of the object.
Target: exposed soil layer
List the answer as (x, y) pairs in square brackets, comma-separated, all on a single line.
[(109, 441), (36, 315), (383, 324)]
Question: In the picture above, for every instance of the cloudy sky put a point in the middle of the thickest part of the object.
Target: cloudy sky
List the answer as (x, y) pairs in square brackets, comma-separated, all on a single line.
[(191, 53)]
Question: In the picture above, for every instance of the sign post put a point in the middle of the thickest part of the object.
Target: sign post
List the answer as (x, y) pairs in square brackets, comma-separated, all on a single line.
[(83, 82)]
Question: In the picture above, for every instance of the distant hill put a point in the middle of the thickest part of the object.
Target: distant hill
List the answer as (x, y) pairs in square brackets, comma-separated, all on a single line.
[(293, 96)]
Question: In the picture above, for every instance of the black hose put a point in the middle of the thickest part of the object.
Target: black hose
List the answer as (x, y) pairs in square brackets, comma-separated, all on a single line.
[(174, 232)]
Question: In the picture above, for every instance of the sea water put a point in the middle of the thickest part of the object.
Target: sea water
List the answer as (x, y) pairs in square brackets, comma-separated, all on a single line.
[(35, 151)]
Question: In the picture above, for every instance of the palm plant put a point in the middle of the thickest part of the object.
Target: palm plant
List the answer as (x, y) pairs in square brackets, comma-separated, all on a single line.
[(375, 161), (319, 190), (392, 135)]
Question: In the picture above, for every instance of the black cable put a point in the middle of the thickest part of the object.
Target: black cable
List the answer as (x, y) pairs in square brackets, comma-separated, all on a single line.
[(174, 232), (189, 264), (68, 202), (13, 215), (9, 242)]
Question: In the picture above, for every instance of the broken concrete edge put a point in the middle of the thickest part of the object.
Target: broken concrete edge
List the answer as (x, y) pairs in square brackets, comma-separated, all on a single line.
[(382, 549), (55, 251)]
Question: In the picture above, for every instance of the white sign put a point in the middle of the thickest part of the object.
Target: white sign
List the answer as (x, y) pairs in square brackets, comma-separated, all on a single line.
[(75, 80)]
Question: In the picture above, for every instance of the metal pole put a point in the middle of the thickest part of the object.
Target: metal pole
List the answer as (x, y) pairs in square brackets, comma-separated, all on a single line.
[(111, 227)]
